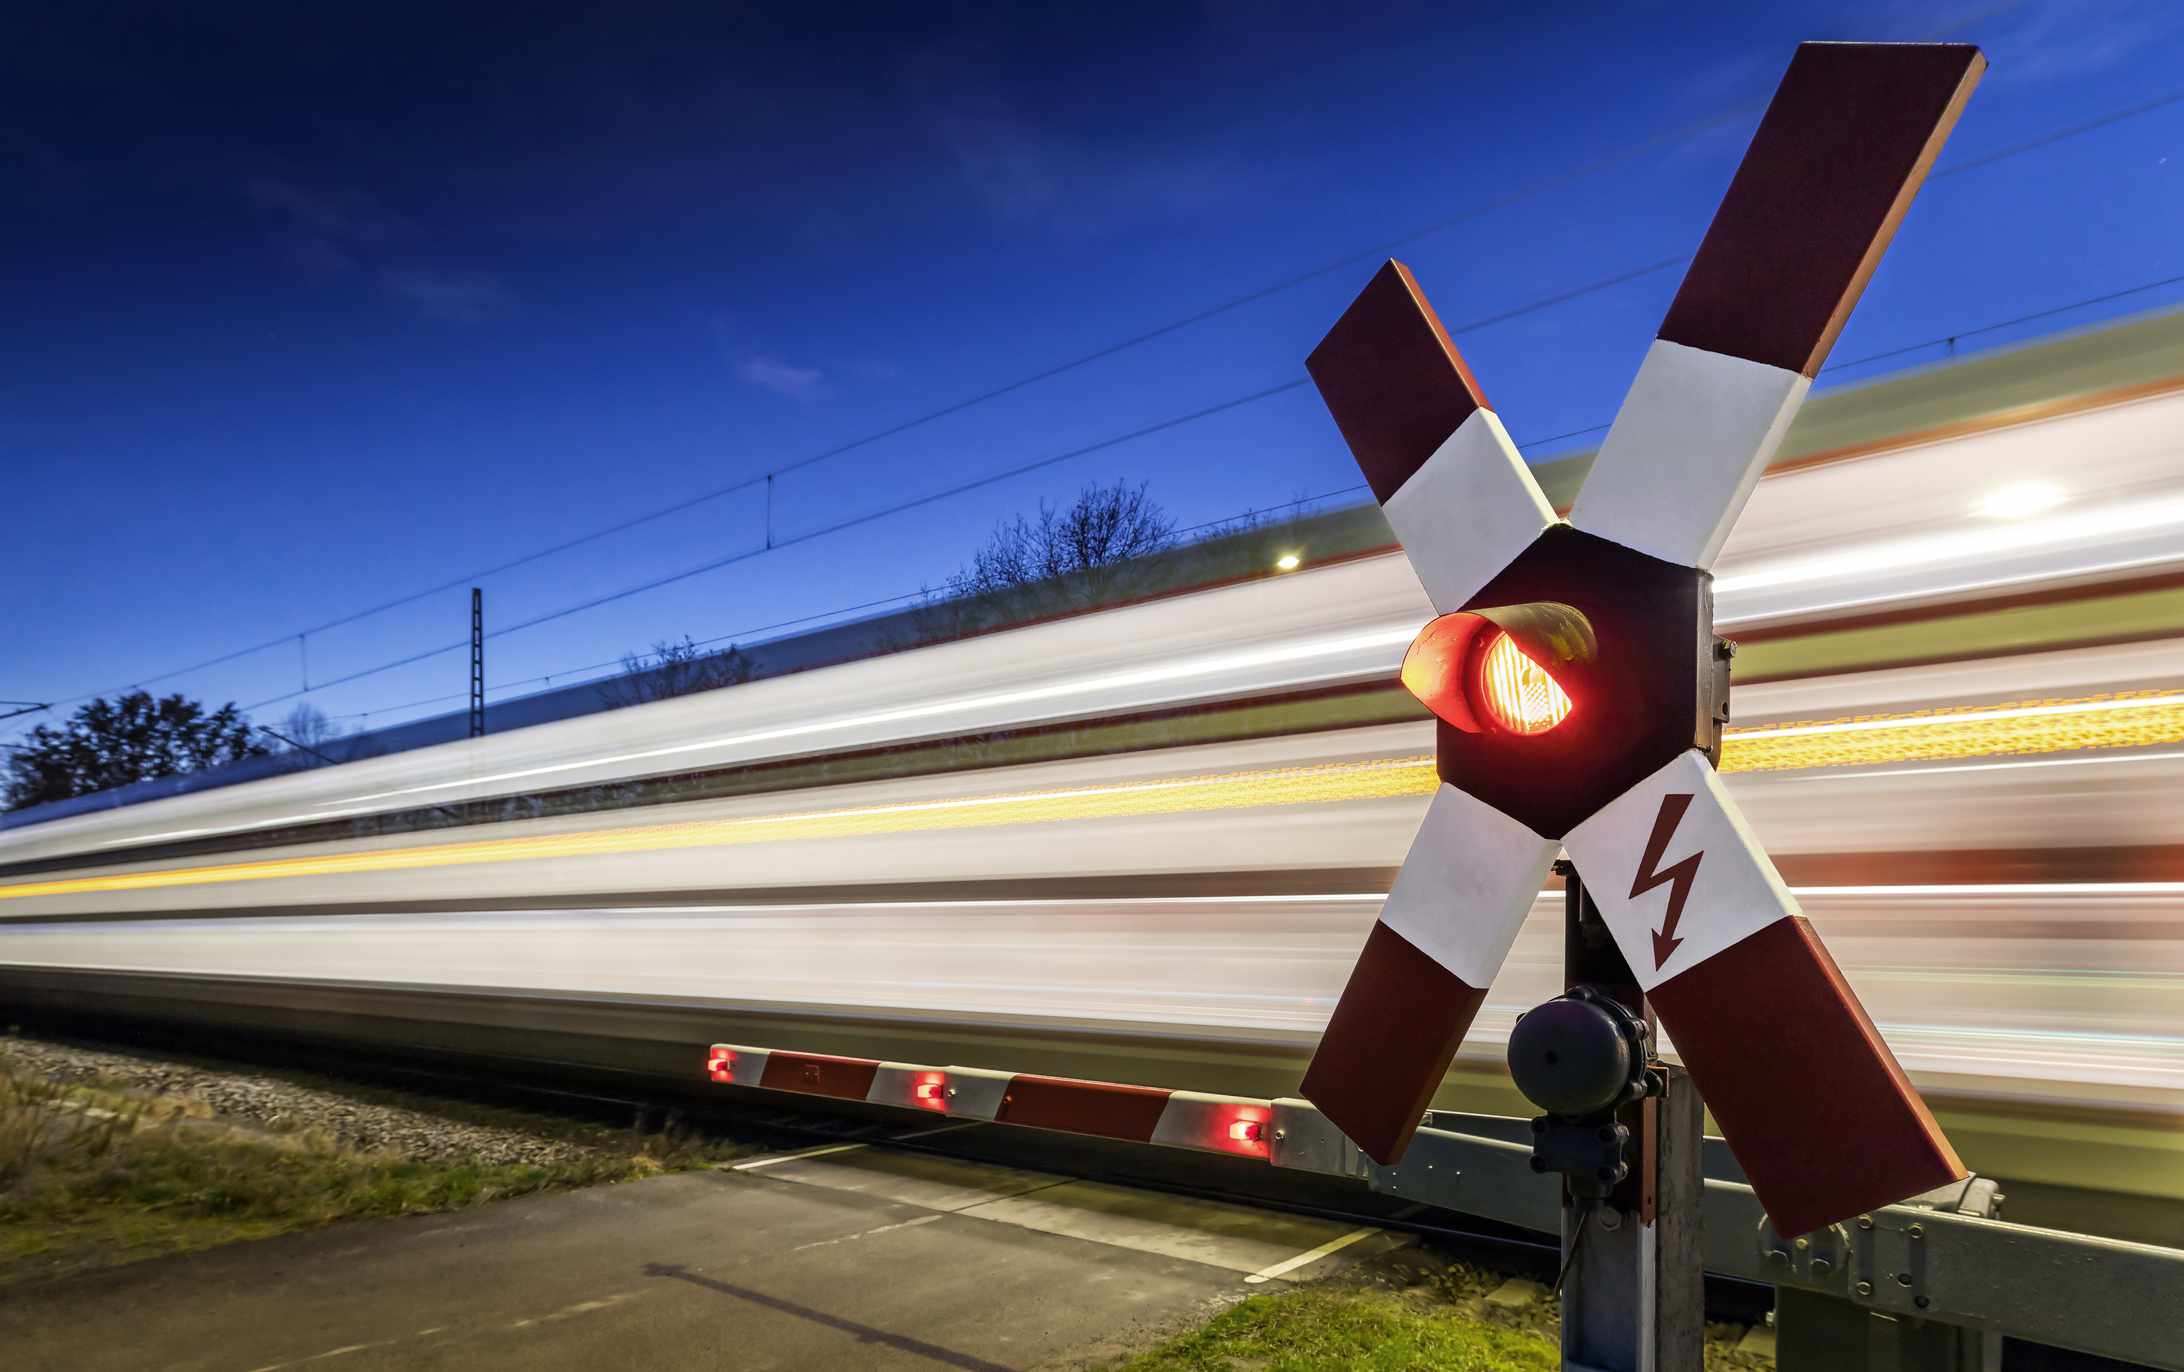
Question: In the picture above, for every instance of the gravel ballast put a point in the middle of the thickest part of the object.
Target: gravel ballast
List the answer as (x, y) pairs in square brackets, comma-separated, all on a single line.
[(278, 1105)]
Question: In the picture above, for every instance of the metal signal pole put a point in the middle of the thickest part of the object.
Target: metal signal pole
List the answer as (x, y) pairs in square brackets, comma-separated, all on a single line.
[(477, 662), (1625, 1130)]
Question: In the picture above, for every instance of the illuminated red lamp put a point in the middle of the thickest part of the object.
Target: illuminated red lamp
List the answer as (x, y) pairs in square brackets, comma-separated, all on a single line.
[(720, 1064), (932, 1092), (1247, 1134), (1484, 671), (1518, 693)]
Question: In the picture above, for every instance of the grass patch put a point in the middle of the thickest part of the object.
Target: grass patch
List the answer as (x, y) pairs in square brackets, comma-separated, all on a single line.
[(1407, 1310), (1314, 1328), (90, 1177)]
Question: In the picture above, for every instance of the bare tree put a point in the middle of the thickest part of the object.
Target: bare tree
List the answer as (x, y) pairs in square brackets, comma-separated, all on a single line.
[(674, 669), (1091, 552), (311, 739), (307, 726)]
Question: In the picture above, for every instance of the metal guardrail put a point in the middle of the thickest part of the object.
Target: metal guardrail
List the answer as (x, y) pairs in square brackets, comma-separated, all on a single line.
[(1865, 1294)]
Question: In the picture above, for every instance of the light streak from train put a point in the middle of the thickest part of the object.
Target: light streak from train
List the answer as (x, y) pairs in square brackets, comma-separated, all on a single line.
[(1337, 646), (2132, 719), (1965, 547), (2063, 990), (2098, 760)]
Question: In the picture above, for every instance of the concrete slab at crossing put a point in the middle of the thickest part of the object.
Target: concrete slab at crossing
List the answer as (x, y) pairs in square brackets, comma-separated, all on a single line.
[(864, 1258)]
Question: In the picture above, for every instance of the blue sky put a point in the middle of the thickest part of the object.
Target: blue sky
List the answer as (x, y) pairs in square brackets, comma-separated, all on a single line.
[(312, 310)]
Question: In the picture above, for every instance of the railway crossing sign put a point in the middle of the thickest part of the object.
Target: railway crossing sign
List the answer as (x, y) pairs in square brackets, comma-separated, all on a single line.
[(1578, 685)]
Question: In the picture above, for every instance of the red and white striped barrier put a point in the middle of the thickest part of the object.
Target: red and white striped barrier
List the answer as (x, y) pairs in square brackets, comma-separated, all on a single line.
[(1236, 1125)]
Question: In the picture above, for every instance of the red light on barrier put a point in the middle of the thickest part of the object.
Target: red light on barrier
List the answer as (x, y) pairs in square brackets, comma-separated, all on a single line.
[(1247, 1131), (1517, 692), (932, 1092), (720, 1065)]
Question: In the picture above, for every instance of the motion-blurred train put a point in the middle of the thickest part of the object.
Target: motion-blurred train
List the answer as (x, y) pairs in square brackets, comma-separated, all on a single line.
[(1144, 843)]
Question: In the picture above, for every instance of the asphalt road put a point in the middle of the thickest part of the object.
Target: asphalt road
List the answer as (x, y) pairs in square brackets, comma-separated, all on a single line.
[(841, 1258)]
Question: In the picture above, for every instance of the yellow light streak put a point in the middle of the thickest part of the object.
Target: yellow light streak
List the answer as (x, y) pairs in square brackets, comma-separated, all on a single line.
[(2131, 719), (1339, 781), (2125, 720)]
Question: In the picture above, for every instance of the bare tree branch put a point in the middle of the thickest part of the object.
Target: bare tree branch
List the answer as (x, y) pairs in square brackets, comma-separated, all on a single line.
[(1091, 552), (674, 669)]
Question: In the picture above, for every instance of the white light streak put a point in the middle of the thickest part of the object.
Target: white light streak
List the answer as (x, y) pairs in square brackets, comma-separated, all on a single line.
[(2023, 500), (1214, 665), (2094, 526)]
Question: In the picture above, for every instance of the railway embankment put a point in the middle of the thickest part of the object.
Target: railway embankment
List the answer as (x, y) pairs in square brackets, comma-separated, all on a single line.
[(111, 1156)]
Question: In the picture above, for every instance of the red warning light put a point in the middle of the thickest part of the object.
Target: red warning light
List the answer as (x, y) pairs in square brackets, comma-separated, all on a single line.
[(1434, 670), (931, 1092), (1478, 670), (1247, 1131), (1517, 692), (720, 1065)]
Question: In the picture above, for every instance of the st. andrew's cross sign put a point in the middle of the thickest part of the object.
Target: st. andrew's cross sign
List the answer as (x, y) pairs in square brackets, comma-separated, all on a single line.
[(1579, 687)]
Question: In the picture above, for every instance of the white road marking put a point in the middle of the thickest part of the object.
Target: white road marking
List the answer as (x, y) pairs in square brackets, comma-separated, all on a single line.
[(317, 1357), (756, 1163), (943, 1129), (1311, 1255), (868, 1233), (567, 1311)]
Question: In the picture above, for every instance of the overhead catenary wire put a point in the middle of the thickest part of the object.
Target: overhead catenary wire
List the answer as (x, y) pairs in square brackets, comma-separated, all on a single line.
[(1530, 190), (777, 542), (714, 564), (2002, 324), (1904, 350), (743, 635)]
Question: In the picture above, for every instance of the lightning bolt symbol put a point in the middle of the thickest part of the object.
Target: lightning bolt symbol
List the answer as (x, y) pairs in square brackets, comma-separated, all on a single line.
[(1677, 878)]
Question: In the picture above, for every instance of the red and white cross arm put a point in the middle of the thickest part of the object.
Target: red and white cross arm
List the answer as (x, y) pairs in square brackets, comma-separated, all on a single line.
[(1809, 1097), (1845, 144), (1455, 490), (1470, 878)]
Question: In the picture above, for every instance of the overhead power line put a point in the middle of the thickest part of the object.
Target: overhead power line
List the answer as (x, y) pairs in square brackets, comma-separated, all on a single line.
[(775, 544), (1529, 190), (2001, 324), (714, 564), (1526, 192), (576, 675)]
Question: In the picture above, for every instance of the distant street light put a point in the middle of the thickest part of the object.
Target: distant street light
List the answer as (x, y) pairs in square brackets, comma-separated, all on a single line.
[(1287, 562)]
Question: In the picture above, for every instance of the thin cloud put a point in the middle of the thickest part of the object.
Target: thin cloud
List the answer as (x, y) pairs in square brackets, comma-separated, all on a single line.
[(782, 378), (341, 232), (457, 297), (341, 216), (2056, 41), (1070, 179), (1002, 160)]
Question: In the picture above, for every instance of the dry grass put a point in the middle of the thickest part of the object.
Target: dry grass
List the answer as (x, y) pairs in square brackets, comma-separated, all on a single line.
[(42, 1122), (91, 1176)]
